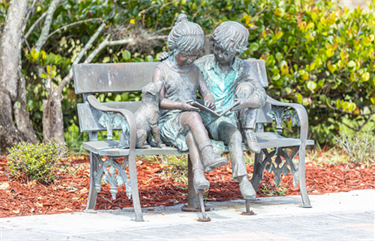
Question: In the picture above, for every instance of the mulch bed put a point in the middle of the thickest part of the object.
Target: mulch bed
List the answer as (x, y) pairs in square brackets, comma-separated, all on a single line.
[(69, 192)]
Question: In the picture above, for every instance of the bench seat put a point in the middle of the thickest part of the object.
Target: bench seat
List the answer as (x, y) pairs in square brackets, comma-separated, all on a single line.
[(265, 140)]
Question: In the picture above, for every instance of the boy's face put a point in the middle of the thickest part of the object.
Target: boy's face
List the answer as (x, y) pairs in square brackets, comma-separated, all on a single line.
[(222, 56), (184, 59)]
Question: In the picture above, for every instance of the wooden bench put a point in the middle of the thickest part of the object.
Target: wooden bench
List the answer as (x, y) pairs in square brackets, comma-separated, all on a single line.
[(90, 79)]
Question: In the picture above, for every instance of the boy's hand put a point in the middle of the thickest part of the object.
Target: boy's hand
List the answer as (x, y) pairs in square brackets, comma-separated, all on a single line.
[(185, 105), (242, 104)]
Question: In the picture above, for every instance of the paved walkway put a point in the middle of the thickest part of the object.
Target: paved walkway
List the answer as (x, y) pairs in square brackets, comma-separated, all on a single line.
[(339, 216)]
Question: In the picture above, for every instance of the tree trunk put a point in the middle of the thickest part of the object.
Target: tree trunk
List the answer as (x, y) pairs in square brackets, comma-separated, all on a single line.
[(10, 94), (53, 125)]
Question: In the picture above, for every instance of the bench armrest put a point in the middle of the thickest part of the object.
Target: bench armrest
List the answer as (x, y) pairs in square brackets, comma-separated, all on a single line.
[(302, 115), (129, 116)]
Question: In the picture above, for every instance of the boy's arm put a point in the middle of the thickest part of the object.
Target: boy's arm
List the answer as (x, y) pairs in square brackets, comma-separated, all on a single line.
[(259, 95), (170, 104), (209, 99)]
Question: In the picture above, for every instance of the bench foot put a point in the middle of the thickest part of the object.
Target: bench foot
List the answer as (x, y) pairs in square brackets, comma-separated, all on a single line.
[(248, 211), (186, 208), (204, 216), (92, 211)]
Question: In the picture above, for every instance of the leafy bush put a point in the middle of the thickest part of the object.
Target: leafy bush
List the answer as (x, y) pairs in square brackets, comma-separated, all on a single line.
[(319, 55), (35, 162), (360, 147)]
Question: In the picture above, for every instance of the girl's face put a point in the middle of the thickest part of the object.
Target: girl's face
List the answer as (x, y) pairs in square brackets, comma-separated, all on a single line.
[(184, 59), (222, 56)]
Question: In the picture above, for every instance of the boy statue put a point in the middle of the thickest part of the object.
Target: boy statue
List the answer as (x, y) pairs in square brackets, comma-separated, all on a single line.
[(231, 79)]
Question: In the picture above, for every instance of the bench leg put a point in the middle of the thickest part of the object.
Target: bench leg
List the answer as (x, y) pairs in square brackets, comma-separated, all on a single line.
[(259, 166), (134, 187), (91, 201), (193, 199), (302, 181), (204, 217)]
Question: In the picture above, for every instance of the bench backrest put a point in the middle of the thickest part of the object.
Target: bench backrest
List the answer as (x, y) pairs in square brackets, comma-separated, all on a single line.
[(127, 77)]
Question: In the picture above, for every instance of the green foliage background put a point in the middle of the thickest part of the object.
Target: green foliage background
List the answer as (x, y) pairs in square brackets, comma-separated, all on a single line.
[(316, 53)]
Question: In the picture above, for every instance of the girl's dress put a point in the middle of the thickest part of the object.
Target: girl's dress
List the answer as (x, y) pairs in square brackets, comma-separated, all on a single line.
[(179, 86)]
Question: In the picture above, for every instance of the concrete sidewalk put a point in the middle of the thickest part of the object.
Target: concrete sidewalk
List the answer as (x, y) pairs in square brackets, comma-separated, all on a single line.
[(338, 216)]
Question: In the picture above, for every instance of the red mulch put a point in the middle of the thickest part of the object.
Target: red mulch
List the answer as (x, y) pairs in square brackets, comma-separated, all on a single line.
[(69, 193)]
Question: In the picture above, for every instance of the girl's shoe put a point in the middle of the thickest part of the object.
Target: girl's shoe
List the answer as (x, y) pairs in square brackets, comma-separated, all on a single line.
[(200, 182)]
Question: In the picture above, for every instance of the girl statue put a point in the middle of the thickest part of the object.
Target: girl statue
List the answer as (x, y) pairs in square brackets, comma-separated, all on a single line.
[(180, 124)]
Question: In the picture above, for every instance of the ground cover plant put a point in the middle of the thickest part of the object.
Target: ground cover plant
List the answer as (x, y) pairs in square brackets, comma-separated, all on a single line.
[(31, 162), (69, 192)]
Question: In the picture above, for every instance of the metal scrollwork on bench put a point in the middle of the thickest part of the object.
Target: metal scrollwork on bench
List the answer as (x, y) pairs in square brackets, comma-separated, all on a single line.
[(283, 164), (280, 114), (110, 175), (282, 167)]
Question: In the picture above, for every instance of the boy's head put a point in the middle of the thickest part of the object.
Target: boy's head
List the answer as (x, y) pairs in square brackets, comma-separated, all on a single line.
[(230, 40), (185, 41)]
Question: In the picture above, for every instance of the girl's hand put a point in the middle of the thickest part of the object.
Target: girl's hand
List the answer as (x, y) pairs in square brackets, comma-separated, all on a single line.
[(163, 56), (210, 102), (186, 106)]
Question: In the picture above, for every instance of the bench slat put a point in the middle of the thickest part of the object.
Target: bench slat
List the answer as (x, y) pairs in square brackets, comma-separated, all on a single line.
[(89, 116), (128, 77), (265, 140)]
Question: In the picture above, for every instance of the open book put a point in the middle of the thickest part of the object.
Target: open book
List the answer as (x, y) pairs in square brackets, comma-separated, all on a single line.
[(208, 115)]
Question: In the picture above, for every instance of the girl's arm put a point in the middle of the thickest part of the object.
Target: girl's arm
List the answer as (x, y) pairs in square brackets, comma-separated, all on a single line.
[(170, 104), (209, 99)]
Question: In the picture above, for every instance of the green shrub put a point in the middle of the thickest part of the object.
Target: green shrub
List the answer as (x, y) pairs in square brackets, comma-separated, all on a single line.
[(360, 147), (319, 55), (35, 162)]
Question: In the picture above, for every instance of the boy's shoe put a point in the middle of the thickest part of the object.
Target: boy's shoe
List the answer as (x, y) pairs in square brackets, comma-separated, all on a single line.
[(252, 141), (247, 189)]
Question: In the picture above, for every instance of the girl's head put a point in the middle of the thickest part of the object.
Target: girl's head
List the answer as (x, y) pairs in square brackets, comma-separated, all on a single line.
[(230, 40), (185, 41)]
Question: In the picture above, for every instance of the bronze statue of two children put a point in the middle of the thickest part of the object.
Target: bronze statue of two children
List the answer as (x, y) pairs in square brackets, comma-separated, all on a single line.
[(222, 79)]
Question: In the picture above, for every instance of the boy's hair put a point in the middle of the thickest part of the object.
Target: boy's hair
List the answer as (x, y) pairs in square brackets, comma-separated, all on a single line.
[(185, 36), (232, 37)]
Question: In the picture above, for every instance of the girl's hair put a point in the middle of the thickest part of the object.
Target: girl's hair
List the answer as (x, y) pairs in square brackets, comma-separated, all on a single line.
[(232, 37), (185, 36)]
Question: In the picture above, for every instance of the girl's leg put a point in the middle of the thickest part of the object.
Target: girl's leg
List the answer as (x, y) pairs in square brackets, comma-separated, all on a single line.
[(200, 182), (192, 121)]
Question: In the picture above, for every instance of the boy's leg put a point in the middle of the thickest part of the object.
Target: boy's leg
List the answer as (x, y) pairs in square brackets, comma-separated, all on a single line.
[(192, 121), (230, 135), (247, 116)]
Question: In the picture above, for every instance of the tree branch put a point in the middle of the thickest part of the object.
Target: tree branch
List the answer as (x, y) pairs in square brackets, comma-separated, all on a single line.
[(72, 24), (67, 78), (365, 123), (344, 111), (34, 25), (3, 13), (47, 24), (98, 49), (102, 45)]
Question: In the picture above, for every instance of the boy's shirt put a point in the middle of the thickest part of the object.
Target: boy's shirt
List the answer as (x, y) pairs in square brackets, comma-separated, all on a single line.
[(223, 86)]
